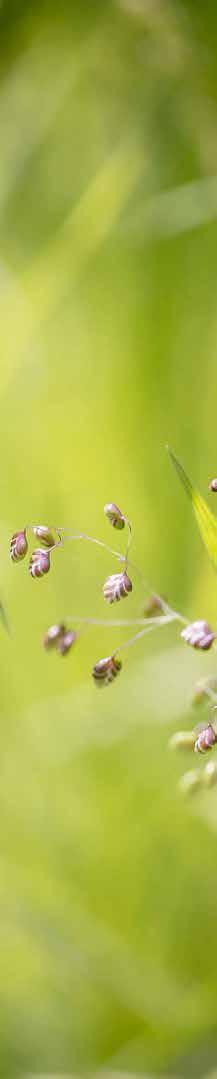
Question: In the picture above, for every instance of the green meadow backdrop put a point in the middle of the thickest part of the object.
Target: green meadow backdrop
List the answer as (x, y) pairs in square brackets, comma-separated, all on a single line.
[(108, 328)]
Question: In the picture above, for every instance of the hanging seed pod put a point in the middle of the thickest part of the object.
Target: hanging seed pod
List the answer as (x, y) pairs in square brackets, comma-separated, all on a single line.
[(117, 587), (199, 635), (106, 670), (114, 515), (213, 485), (44, 535), (182, 740), (205, 739), (153, 606), (18, 546), (190, 782), (65, 641), (39, 562), (210, 774), (52, 636)]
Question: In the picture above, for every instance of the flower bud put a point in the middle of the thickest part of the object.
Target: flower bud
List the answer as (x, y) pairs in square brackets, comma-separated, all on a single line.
[(190, 782), (205, 739), (52, 636), (153, 606), (44, 535), (39, 562), (213, 485), (117, 587), (18, 546), (106, 670), (182, 740), (210, 774), (65, 641), (198, 634), (114, 515)]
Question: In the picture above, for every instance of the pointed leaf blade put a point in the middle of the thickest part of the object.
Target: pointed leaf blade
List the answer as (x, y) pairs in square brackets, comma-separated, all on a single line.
[(4, 618), (206, 521)]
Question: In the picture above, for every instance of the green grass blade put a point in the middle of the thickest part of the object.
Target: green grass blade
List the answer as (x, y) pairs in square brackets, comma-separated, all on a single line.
[(206, 521), (4, 618)]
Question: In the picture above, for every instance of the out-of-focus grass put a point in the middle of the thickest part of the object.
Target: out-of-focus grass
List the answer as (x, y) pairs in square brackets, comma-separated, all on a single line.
[(108, 350)]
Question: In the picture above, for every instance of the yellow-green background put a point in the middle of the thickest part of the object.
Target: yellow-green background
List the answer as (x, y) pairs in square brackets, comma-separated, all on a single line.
[(108, 323)]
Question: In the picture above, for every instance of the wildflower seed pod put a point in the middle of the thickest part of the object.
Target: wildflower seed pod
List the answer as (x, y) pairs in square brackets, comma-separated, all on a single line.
[(213, 485), (39, 562), (44, 535), (182, 740), (52, 636), (18, 546), (117, 587), (198, 634), (153, 606), (114, 515), (65, 641), (210, 774), (106, 670), (190, 782), (205, 739)]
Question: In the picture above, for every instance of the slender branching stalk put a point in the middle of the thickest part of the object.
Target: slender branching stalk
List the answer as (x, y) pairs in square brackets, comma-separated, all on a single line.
[(157, 613)]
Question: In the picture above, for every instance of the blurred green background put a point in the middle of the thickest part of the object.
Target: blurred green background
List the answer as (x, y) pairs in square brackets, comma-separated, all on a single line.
[(108, 206)]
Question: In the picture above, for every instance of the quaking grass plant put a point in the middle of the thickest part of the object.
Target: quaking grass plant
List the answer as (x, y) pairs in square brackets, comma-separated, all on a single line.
[(157, 612)]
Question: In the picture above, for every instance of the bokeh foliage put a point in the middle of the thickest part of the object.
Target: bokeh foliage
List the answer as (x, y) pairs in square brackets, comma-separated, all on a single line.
[(108, 205)]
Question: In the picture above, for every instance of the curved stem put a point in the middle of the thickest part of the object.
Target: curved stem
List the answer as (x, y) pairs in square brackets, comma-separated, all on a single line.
[(59, 543), (68, 536), (122, 622), (129, 540), (164, 620), (147, 587), (91, 539), (168, 614)]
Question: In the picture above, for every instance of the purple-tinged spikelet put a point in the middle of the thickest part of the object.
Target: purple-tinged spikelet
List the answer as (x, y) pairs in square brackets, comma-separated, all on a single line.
[(199, 635), (205, 740), (52, 636), (65, 641), (117, 587), (39, 562), (44, 535), (106, 670), (153, 605), (114, 515), (18, 546)]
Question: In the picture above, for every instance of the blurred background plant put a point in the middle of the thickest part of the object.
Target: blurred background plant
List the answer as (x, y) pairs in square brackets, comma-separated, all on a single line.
[(108, 205)]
